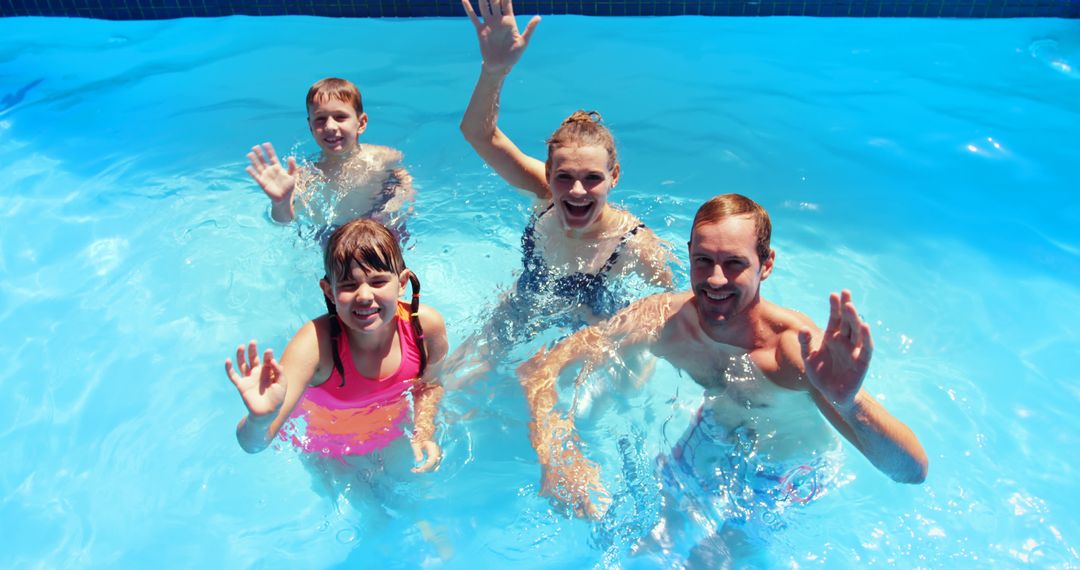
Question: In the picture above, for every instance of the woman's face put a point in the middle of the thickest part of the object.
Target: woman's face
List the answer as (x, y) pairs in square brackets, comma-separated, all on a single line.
[(580, 181)]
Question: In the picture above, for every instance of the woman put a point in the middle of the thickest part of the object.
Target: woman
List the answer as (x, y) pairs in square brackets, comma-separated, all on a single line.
[(577, 246)]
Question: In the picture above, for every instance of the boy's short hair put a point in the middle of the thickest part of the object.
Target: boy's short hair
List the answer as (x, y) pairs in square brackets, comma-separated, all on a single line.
[(333, 88)]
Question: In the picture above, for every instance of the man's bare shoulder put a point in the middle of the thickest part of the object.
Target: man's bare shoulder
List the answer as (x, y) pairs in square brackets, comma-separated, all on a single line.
[(782, 320), (785, 324)]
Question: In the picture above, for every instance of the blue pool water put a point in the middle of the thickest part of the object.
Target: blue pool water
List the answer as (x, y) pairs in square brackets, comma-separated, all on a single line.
[(930, 166)]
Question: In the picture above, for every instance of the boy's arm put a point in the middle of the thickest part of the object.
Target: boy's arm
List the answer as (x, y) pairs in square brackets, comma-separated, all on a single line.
[(501, 47), (428, 392), (835, 363)]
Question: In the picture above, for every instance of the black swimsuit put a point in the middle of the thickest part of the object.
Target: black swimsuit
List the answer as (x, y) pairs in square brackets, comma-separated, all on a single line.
[(590, 289)]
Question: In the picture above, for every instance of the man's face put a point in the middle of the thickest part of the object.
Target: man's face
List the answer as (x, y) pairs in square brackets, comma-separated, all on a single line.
[(725, 273)]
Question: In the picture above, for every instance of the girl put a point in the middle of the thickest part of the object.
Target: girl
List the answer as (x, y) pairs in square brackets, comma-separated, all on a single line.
[(348, 373)]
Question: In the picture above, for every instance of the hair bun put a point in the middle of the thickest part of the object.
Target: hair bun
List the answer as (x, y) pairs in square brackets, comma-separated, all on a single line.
[(582, 116)]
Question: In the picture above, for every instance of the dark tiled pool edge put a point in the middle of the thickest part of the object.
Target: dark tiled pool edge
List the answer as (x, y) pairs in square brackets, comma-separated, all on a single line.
[(164, 9)]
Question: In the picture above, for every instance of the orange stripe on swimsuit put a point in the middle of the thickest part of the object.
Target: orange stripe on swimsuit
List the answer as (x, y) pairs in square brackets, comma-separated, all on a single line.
[(365, 414)]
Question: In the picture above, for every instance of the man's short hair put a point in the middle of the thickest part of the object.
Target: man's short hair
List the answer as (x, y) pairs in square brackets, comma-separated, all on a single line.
[(727, 205)]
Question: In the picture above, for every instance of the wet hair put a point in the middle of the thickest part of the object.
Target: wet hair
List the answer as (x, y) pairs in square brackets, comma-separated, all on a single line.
[(373, 248), (335, 89), (583, 128), (727, 205)]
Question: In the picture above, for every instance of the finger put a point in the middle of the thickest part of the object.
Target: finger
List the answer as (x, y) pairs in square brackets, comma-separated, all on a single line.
[(418, 453), (270, 153), (233, 376), (506, 7), (256, 162), (868, 343), (253, 354), (251, 172), (485, 9), (292, 166), (467, 4), (279, 371), (240, 362), (850, 323), (260, 159), (834, 315), (266, 378), (529, 29), (804, 343), (433, 457), (495, 7)]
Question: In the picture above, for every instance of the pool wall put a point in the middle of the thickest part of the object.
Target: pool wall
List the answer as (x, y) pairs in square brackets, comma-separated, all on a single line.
[(164, 9)]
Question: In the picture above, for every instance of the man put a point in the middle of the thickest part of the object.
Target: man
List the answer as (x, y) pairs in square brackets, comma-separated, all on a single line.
[(773, 381)]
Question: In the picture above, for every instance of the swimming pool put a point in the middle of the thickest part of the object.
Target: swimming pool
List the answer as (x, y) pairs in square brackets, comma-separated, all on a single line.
[(927, 165)]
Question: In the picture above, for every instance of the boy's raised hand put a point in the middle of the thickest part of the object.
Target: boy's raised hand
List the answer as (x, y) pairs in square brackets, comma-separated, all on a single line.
[(501, 45), (261, 383), (266, 170)]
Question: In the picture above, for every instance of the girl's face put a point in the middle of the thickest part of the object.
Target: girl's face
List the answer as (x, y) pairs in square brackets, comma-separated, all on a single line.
[(580, 182), (366, 301)]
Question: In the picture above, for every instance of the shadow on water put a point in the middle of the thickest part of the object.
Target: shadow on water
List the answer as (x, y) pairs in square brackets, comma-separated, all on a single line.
[(16, 97)]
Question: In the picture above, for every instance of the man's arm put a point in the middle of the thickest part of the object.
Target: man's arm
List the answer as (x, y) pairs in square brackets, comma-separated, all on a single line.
[(567, 475), (654, 259), (501, 47), (889, 444), (835, 363)]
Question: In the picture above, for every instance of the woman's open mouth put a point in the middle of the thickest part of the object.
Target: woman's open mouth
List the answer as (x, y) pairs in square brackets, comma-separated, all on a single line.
[(578, 212)]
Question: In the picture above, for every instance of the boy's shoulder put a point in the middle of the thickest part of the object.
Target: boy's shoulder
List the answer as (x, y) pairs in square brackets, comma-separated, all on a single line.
[(384, 155)]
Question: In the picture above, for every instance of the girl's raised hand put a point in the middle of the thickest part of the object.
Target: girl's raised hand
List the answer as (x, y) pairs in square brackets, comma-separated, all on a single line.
[(501, 45), (261, 383)]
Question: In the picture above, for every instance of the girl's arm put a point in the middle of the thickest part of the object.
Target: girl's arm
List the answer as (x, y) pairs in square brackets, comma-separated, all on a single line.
[(429, 391), (501, 47), (271, 390)]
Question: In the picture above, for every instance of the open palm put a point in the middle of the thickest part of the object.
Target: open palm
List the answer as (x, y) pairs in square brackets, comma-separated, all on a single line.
[(501, 45), (261, 383), (277, 182), (839, 364)]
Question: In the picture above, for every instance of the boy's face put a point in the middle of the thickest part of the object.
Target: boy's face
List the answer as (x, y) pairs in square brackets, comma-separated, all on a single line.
[(335, 126)]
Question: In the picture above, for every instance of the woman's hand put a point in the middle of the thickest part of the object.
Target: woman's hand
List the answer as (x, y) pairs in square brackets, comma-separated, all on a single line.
[(501, 45)]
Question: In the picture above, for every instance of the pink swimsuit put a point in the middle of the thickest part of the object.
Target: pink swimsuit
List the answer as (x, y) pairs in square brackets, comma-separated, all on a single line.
[(364, 415)]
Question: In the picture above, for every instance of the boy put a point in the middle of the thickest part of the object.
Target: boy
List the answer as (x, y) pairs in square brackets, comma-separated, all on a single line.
[(349, 180)]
